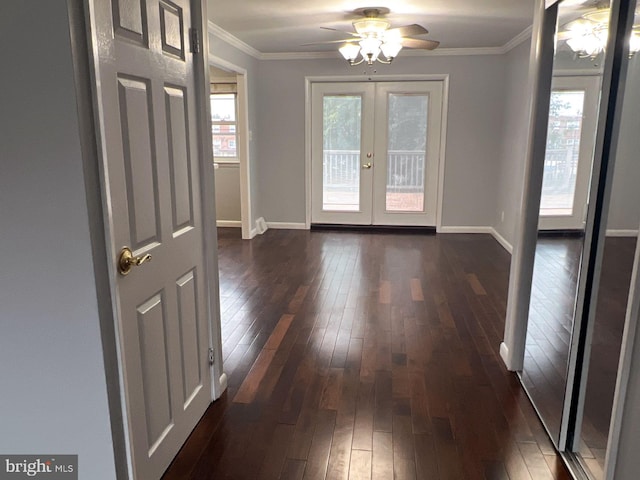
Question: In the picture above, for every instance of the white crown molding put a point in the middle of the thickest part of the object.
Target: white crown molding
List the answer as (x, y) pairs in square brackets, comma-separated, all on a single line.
[(518, 39), (301, 55), (227, 37)]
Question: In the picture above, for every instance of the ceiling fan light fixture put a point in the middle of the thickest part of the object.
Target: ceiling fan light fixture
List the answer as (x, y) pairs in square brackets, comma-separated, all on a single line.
[(370, 49), (587, 45), (391, 49), (350, 51), (374, 40), (368, 26), (587, 36)]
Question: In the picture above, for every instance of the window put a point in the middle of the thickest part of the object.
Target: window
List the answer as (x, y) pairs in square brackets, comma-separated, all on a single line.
[(223, 125)]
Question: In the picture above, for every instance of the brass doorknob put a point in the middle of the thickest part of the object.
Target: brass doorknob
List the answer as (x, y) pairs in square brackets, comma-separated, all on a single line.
[(369, 155), (366, 165), (127, 261)]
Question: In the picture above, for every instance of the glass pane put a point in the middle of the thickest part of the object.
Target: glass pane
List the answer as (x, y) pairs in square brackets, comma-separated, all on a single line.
[(223, 107), (224, 143), (563, 148), (341, 152), (406, 152)]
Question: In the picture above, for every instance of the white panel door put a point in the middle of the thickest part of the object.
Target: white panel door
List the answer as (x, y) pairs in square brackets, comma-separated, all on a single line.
[(148, 122), (342, 147), (573, 116), (407, 153), (375, 152)]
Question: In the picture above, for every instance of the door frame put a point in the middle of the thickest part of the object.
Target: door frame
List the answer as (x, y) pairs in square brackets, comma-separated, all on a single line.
[(444, 78), (93, 134), (244, 145)]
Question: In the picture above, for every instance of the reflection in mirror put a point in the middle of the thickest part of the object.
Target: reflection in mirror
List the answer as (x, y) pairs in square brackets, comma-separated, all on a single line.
[(622, 229), (565, 188)]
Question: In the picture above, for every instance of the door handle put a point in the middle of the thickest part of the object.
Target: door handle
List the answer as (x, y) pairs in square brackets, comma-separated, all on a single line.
[(366, 165), (126, 260)]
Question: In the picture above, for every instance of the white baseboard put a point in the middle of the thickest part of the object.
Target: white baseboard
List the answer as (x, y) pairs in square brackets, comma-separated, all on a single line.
[(479, 229), (229, 223), (253, 233), (502, 241), (621, 233), (287, 226), (473, 229)]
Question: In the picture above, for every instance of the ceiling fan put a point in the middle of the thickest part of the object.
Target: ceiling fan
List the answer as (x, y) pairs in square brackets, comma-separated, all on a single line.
[(587, 35), (373, 36)]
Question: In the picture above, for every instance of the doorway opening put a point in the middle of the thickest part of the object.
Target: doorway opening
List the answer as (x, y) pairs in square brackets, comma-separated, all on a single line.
[(231, 140)]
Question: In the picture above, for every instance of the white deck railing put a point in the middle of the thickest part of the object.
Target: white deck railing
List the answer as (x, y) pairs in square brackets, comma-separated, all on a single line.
[(405, 170)]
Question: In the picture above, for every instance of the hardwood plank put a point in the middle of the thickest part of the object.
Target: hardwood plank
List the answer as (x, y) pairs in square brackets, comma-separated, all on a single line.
[(360, 465), (384, 295), (382, 456), (416, 290), (279, 332), (476, 286), (275, 458), (318, 459), (249, 387)]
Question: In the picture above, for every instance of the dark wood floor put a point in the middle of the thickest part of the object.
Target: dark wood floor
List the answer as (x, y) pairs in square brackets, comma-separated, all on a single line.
[(553, 291), (366, 356)]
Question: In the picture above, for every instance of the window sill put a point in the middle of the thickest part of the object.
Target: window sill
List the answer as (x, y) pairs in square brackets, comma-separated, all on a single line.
[(228, 161)]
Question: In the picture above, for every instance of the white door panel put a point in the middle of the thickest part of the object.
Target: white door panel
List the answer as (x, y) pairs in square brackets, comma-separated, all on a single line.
[(342, 136), (148, 124), (407, 148)]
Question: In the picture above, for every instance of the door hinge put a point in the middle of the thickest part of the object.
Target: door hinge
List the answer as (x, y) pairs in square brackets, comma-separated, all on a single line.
[(195, 40), (211, 359)]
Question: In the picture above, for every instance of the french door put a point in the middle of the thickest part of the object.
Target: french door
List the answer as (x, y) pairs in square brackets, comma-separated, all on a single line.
[(375, 152), (569, 154)]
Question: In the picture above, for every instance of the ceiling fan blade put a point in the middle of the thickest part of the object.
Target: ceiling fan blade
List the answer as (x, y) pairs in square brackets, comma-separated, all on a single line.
[(341, 31), (408, 30), (422, 44), (345, 40)]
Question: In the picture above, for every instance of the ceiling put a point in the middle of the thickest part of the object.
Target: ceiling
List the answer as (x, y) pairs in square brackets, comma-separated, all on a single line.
[(279, 26)]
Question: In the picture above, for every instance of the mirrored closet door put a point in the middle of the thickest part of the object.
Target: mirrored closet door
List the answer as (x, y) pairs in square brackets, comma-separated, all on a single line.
[(587, 179)]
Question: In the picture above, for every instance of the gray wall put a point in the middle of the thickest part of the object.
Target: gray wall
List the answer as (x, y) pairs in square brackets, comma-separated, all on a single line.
[(231, 54), (228, 192), (54, 397), (514, 141), (624, 211), (474, 132)]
